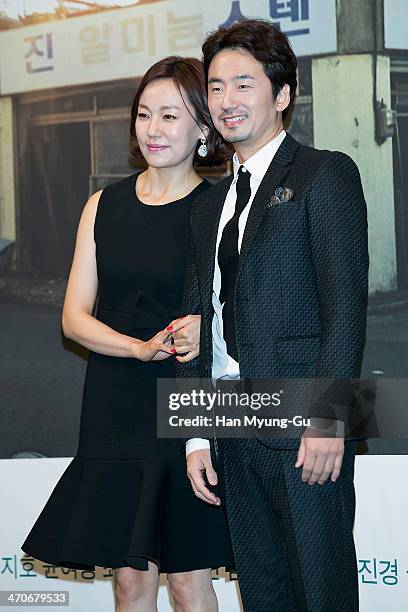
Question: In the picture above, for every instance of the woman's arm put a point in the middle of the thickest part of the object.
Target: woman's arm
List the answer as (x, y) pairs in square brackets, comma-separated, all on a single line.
[(78, 323)]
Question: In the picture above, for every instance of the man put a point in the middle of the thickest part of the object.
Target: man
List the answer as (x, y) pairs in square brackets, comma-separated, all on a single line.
[(279, 275)]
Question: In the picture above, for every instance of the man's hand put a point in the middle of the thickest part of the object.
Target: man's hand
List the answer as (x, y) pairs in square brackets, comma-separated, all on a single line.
[(198, 464), (320, 457), (186, 337)]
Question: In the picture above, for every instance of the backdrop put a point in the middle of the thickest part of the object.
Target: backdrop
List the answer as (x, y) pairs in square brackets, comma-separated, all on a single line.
[(67, 80)]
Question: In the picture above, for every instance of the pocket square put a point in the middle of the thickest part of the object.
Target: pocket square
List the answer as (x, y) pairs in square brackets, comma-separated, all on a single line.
[(282, 194)]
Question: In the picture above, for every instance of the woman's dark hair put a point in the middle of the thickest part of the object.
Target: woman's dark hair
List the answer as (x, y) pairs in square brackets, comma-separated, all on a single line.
[(266, 43), (187, 74)]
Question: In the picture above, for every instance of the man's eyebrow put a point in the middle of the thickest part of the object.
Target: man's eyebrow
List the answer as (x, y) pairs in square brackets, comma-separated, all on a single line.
[(238, 77)]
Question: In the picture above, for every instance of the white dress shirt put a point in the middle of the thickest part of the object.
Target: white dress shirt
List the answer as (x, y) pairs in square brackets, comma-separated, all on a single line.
[(223, 365)]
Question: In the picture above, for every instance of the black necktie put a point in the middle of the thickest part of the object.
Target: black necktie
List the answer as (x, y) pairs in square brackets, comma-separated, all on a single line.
[(228, 260)]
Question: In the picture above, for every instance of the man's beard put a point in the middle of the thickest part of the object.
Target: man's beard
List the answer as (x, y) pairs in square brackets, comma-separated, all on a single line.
[(235, 138)]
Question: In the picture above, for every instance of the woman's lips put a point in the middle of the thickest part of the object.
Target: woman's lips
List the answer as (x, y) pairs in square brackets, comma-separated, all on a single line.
[(156, 148)]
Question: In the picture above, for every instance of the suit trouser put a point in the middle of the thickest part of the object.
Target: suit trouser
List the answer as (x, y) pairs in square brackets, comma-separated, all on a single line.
[(293, 542)]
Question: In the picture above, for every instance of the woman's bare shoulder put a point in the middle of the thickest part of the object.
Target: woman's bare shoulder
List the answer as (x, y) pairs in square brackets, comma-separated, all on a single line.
[(91, 206)]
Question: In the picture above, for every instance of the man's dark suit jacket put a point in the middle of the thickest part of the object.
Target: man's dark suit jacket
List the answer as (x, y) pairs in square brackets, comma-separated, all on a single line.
[(302, 279)]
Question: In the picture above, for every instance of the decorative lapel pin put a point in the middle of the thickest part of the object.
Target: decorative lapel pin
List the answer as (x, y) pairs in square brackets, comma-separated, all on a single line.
[(282, 194)]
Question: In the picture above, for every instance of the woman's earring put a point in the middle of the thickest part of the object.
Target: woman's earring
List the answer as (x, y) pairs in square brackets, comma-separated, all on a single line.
[(202, 149)]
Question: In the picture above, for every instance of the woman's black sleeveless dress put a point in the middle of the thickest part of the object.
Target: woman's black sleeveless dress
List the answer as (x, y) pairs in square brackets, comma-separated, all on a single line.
[(125, 497)]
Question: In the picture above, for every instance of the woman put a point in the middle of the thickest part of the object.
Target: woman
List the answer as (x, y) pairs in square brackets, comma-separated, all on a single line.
[(125, 501)]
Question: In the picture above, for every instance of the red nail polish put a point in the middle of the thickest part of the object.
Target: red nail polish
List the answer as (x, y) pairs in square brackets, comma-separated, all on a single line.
[(173, 350), (169, 328)]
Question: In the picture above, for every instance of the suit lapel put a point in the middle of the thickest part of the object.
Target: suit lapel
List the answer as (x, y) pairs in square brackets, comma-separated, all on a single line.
[(209, 229), (278, 169)]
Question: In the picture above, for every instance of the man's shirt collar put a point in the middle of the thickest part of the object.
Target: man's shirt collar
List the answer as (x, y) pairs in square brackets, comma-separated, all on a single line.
[(258, 163)]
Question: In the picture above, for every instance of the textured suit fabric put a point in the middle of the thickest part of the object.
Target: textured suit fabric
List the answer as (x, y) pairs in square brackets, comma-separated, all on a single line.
[(302, 278), (292, 542), (300, 312)]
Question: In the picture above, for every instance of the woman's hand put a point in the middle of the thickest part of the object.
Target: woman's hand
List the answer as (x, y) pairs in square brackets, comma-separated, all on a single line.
[(186, 337), (155, 349)]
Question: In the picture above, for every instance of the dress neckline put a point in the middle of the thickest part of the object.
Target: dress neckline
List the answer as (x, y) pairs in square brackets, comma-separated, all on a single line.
[(145, 205)]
